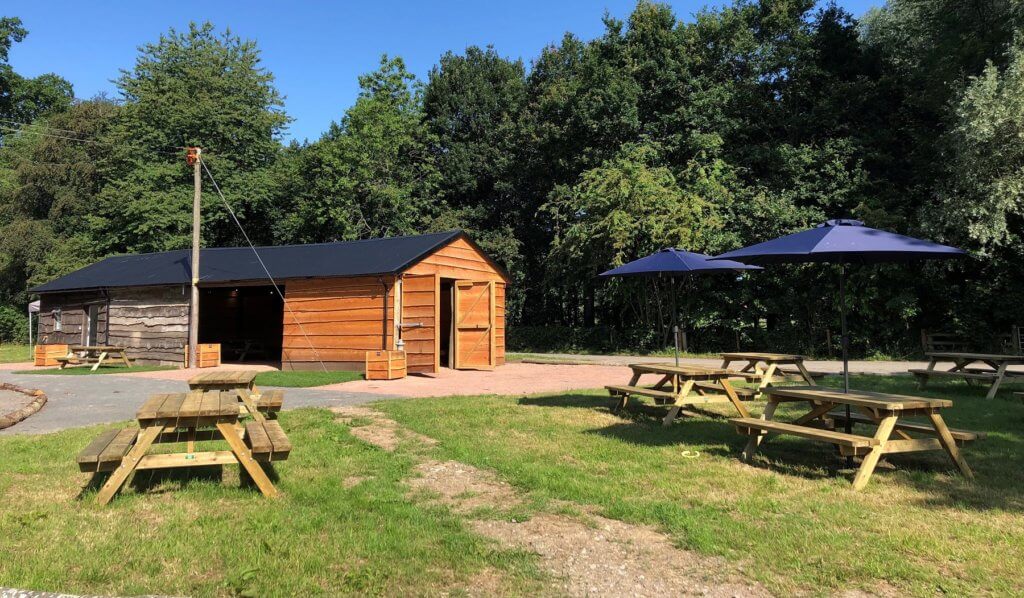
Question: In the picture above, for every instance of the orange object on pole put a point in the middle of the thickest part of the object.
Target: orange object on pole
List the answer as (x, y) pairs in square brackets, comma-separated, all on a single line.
[(191, 155)]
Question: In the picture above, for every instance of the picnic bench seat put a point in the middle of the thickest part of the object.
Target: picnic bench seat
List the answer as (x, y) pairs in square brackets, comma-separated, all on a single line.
[(270, 401), (107, 450), (751, 426), (922, 375), (667, 395), (960, 436), (267, 440), (745, 394)]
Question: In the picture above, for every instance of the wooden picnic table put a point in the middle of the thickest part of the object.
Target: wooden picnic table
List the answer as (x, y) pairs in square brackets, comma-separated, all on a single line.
[(886, 412), (243, 382), (766, 369), (676, 388), (971, 367), (94, 354), (186, 418)]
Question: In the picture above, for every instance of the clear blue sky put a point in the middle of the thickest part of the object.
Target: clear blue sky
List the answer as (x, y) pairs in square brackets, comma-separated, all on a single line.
[(315, 49)]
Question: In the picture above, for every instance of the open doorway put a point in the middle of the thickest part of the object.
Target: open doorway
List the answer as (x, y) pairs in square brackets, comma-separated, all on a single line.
[(247, 321), (445, 330)]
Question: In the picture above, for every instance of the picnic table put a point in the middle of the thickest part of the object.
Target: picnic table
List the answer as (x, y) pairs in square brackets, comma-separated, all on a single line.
[(186, 418), (971, 367), (243, 383), (94, 354), (766, 369), (887, 413), (677, 387)]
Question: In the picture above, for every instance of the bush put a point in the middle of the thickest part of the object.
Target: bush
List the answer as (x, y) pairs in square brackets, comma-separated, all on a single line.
[(13, 325)]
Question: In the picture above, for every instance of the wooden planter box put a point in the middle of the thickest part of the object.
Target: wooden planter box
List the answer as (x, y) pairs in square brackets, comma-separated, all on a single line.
[(207, 355), (385, 365), (46, 355)]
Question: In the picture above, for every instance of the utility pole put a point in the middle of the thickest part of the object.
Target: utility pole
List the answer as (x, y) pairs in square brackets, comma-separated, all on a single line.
[(193, 157)]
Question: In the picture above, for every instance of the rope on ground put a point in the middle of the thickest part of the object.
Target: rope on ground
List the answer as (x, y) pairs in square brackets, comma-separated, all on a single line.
[(262, 265)]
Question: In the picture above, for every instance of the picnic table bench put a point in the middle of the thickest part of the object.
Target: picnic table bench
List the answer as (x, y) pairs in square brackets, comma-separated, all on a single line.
[(675, 388), (766, 369), (94, 354), (242, 382), (884, 411), (186, 418), (971, 367)]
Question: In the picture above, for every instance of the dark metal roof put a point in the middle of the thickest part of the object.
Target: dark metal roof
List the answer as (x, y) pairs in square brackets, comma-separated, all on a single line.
[(239, 264)]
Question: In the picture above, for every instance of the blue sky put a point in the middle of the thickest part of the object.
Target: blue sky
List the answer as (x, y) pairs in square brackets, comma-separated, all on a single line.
[(315, 49)]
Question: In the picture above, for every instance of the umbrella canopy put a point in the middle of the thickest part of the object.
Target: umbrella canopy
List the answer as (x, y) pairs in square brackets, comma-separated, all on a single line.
[(842, 241), (672, 263), (675, 262)]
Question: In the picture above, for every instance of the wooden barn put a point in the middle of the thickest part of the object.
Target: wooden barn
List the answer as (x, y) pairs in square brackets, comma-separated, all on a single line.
[(437, 296)]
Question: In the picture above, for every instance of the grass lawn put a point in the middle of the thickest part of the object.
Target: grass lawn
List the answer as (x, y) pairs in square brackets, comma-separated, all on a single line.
[(86, 370), (214, 538), (305, 379), (14, 353), (791, 519)]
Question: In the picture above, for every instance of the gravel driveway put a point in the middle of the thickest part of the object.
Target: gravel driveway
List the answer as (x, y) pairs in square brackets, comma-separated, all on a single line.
[(76, 401)]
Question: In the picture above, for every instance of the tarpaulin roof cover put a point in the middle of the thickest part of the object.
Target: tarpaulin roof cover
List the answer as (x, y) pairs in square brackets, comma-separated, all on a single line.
[(841, 241), (675, 262), (239, 264)]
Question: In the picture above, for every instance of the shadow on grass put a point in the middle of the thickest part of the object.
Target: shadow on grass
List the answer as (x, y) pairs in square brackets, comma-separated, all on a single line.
[(997, 461)]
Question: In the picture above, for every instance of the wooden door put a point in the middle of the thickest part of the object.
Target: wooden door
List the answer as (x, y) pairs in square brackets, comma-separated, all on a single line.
[(418, 308), (474, 329)]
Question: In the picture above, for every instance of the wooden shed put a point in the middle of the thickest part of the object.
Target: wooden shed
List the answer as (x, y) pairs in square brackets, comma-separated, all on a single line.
[(437, 296)]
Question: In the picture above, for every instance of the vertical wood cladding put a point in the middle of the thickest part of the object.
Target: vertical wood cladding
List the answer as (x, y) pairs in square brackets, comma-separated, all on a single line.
[(336, 320), (151, 322)]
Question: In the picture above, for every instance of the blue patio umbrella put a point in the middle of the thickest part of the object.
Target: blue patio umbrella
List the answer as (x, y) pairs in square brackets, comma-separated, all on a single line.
[(676, 263), (843, 242)]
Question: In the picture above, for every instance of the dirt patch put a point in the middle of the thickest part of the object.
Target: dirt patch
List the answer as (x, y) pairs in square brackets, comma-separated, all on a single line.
[(592, 557), (375, 428), (463, 487), (355, 480)]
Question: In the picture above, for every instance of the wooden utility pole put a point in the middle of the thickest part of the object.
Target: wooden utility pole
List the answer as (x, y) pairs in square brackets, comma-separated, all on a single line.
[(193, 157)]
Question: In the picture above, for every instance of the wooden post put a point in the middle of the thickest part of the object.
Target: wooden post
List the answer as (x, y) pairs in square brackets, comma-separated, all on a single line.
[(194, 155)]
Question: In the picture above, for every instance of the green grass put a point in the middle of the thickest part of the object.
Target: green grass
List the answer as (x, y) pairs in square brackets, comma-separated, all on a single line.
[(204, 537), (305, 379), (791, 519), (86, 370), (14, 353)]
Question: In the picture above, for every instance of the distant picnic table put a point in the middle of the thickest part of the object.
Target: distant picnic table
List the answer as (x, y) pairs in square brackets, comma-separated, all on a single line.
[(186, 418), (243, 384), (765, 369), (886, 412), (677, 388), (971, 367), (94, 354)]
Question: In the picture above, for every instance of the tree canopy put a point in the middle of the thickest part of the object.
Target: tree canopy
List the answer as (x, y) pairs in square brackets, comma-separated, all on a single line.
[(748, 121)]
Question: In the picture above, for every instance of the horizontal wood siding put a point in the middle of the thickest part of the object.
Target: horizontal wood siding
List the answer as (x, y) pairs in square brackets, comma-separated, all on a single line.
[(459, 260), (151, 322), (336, 320), (499, 323), (73, 308), (419, 306)]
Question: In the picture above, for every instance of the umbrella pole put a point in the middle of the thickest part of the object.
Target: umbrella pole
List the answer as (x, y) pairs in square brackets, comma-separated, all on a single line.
[(675, 321), (844, 342)]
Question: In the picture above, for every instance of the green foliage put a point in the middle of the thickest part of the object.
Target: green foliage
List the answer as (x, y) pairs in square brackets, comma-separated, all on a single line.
[(13, 325), (752, 121)]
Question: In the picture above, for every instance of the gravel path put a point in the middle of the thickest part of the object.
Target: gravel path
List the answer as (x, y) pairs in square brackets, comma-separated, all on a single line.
[(76, 401)]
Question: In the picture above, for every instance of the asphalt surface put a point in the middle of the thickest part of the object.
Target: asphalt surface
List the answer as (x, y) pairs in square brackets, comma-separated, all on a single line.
[(76, 401)]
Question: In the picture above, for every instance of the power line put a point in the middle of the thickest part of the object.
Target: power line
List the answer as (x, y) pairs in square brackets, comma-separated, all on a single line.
[(52, 128), (273, 282), (166, 150)]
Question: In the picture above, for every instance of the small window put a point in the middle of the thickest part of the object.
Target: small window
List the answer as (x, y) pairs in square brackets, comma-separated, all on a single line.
[(58, 322)]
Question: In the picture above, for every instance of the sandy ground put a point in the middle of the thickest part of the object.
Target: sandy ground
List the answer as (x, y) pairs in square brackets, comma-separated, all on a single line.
[(12, 401)]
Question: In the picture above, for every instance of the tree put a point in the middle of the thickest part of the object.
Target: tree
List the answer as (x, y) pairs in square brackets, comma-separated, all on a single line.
[(23, 99), (371, 174), (192, 88)]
